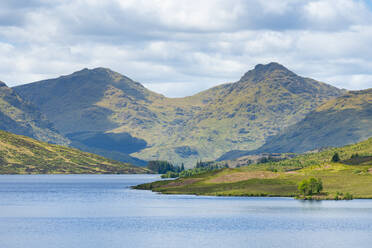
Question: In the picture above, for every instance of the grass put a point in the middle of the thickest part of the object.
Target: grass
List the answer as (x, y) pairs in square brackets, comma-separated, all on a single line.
[(24, 155), (353, 176)]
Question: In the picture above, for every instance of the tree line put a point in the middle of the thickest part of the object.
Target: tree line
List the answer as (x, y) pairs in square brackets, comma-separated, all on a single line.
[(162, 167), (168, 170)]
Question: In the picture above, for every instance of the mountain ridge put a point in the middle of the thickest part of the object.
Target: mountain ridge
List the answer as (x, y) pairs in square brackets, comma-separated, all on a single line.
[(202, 126), (341, 121)]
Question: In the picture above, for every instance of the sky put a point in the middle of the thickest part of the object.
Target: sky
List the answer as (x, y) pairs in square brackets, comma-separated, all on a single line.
[(180, 47)]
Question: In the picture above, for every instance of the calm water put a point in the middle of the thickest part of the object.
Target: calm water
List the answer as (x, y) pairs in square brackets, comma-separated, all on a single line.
[(102, 211)]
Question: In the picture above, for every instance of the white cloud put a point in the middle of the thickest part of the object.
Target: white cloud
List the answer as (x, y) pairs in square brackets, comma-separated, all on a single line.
[(181, 47), (337, 13), (179, 89), (186, 15), (352, 82)]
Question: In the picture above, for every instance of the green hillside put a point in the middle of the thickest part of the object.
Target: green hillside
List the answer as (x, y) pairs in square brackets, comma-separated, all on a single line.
[(341, 121), (20, 117), (352, 174), (76, 106), (24, 155), (94, 105)]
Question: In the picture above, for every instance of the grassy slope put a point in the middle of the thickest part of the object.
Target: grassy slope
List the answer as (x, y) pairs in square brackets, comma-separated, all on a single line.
[(77, 103), (23, 155), (345, 120), (20, 117), (341, 121), (231, 116), (353, 176)]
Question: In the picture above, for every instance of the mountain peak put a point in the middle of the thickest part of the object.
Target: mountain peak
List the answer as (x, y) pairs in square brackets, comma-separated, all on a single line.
[(270, 67), (103, 73), (101, 70), (261, 71), (94, 70), (2, 84)]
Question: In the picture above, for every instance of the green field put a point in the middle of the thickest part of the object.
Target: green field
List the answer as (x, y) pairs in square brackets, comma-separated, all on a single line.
[(349, 175)]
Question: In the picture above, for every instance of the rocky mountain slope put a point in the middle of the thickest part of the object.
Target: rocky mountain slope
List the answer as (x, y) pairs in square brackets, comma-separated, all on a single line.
[(21, 117), (24, 155), (341, 121), (90, 106)]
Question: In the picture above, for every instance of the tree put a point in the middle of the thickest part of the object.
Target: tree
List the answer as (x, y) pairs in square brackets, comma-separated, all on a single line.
[(182, 167), (310, 187), (160, 167), (313, 185), (303, 187), (319, 186), (335, 157)]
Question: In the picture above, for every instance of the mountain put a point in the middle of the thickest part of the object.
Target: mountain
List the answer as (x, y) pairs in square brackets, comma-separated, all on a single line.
[(24, 155), (99, 106), (76, 104), (351, 175), (341, 121), (21, 117)]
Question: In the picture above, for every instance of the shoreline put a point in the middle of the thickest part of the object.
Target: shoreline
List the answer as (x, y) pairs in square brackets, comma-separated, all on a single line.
[(323, 197)]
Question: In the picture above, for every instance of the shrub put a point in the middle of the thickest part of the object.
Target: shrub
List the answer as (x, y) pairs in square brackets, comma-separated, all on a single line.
[(335, 157), (338, 196), (348, 196), (355, 155)]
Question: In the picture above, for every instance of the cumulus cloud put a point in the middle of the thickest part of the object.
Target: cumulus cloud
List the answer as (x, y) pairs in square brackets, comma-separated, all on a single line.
[(181, 47)]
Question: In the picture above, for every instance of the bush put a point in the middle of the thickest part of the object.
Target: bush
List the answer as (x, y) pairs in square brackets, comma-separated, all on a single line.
[(338, 196), (2, 160), (342, 196), (335, 157), (355, 155), (348, 196)]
